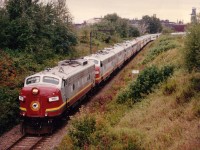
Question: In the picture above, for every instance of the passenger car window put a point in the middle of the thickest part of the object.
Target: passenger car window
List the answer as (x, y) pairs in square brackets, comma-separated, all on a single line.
[(51, 80), (33, 80)]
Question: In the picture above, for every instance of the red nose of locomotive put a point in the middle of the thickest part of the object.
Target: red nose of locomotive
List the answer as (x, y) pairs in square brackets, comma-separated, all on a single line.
[(40, 102)]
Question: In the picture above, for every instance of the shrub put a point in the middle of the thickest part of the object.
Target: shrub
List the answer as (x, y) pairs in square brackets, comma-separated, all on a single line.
[(122, 96), (81, 131), (9, 109), (94, 132), (146, 81), (192, 48)]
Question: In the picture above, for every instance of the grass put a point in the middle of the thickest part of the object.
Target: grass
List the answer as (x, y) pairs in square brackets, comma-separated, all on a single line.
[(165, 123), (167, 118)]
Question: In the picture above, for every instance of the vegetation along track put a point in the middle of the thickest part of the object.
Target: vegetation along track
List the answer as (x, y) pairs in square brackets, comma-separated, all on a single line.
[(28, 142), (48, 142)]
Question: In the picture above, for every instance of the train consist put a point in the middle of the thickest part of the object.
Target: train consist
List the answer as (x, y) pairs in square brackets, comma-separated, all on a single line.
[(47, 95)]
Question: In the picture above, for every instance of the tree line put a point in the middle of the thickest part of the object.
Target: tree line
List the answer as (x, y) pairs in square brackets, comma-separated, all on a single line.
[(34, 27), (112, 26), (45, 29)]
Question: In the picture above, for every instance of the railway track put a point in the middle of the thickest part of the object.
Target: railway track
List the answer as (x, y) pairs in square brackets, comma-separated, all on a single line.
[(28, 142)]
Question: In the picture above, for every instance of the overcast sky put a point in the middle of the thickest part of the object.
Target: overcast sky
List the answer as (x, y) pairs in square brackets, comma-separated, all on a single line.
[(164, 9)]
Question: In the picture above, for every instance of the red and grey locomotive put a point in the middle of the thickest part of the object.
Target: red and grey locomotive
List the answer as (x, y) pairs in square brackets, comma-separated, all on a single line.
[(48, 94)]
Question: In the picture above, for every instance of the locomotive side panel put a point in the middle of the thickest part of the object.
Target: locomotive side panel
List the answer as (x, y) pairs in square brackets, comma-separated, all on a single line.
[(79, 85)]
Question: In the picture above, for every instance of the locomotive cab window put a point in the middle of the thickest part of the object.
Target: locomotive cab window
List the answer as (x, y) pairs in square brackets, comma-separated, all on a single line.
[(51, 80), (101, 64), (64, 83), (33, 80)]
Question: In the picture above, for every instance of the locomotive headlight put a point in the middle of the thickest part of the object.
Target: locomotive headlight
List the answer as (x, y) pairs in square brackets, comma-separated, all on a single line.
[(35, 91), (53, 99), (21, 98), (96, 72)]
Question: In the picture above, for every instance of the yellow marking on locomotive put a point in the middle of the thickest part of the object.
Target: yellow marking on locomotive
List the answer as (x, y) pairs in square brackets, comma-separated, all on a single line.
[(107, 73), (97, 79), (104, 75), (56, 108), (23, 109), (79, 92)]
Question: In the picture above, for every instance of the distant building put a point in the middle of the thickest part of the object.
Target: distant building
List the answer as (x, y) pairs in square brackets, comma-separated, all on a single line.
[(177, 27), (88, 22), (80, 25), (93, 21)]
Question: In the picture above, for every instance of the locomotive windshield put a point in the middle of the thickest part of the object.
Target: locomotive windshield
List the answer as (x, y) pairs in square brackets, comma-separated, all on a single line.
[(32, 80), (51, 80)]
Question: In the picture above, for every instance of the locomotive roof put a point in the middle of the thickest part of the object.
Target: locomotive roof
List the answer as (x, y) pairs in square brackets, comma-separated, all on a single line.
[(116, 48), (67, 68), (101, 55), (108, 52), (143, 37)]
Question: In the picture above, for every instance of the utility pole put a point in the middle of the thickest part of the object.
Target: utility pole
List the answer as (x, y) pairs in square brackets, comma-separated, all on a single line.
[(90, 42)]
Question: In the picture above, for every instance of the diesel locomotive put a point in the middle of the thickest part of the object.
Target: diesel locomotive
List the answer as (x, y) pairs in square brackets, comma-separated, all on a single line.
[(47, 95)]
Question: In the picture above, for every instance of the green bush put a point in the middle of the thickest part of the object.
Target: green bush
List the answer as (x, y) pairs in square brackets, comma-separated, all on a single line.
[(82, 130), (146, 81), (122, 96), (192, 48), (94, 132), (9, 110)]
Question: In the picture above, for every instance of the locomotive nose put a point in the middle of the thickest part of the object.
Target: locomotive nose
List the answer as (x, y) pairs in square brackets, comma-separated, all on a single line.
[(34, 101), (35, 105)]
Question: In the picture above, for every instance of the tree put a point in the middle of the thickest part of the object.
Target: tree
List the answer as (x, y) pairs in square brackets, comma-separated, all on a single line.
[(192, 48), (32, 26), (133, 31), (112, 17), (117, 25), (153, 24), (142, 27), (167, 30), (63, 12)]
